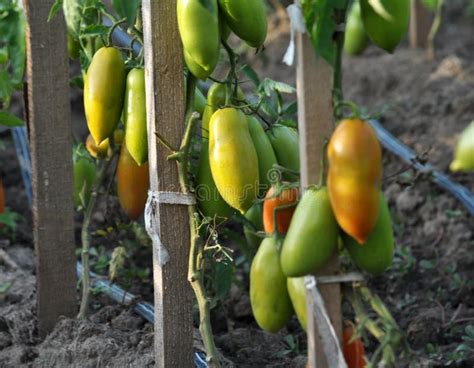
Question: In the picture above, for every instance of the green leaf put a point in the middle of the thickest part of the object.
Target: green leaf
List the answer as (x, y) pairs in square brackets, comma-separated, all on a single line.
[(95, 30), (320, 23), (6, 88), (127, 9), (9, 120), (268, 85), (72, 10), (5, 287), (223, 278), (54, 9), (251, 74)]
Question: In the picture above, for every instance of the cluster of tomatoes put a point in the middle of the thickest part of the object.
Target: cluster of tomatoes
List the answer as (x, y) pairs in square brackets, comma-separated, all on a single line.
[(112, 95)]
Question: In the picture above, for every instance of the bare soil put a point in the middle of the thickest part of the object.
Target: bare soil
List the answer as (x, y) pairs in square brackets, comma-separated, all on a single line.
[(429, 289)]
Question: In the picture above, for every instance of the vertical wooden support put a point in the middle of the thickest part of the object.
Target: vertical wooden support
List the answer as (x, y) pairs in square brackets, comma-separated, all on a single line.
[(420, 24), (51, 155), (165, 114), (316, 122)]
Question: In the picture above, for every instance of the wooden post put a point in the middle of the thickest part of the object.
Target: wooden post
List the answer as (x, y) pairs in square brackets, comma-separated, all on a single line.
[(316, 122), (51, 155), (165, 114), (420, 24)]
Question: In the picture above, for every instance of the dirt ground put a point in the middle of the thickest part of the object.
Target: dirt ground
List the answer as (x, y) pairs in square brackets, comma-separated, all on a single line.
[(429, 289)]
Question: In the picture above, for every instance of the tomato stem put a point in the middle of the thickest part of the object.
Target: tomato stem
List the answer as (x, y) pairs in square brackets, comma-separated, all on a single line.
[(86, 236), (337, 94)]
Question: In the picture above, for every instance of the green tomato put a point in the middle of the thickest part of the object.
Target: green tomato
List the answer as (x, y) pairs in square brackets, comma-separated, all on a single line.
[(265, 153), (297, 291), (247, 19), (284, 141), (233, 158), (464, 155), (136, 136), (255, 216), (386, 21), (355, 37), (198, 23), (376, 254), (269, 299), (311, 239), (84, 176)]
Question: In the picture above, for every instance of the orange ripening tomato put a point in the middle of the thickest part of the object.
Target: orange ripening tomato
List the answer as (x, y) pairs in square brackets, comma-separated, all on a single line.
[(354, 352), (287, 197), (132, 184), (354, 177)]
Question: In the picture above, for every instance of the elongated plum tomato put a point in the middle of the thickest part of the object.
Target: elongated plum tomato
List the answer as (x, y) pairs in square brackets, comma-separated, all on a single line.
[(376, 254), (464, 155), (198, 23), (311, 239), (297, 291), (135, 116), (386, 21), (354, 352), (102, 150), (265, 153), (285, 199), (284, 141), (247, 19), (355, 40), (354, 177), (269, 299), (234, 162), (132, 184), (104, 89)]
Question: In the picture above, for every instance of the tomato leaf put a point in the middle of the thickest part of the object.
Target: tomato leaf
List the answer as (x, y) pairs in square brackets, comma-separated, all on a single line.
[(10, 120), (268, 85), (320, 22), (95, 30), (251, 74), (127, 9)]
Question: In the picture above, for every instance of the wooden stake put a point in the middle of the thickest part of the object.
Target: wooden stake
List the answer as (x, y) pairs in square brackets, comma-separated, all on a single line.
[(165, 114), (51, 155), (420, 24), (316, 123)]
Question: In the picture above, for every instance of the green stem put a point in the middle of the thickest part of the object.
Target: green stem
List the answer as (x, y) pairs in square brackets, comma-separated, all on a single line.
[(86, 237), (195, 270), (435, 26), (232, 76), (112, 29)]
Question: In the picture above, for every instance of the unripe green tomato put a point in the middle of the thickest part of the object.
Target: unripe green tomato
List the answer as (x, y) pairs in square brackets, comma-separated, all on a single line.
[(198, 23), (255, 216), (266, 155), (355, 37), (311, 239), (297, 291), (233, 158), (73, 47), (209, 199), (464, 155), (104, 88), (376, 254), (136, 136), (84, 177), (247, 19), (285, 143), (271, 304), (386, 21)]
